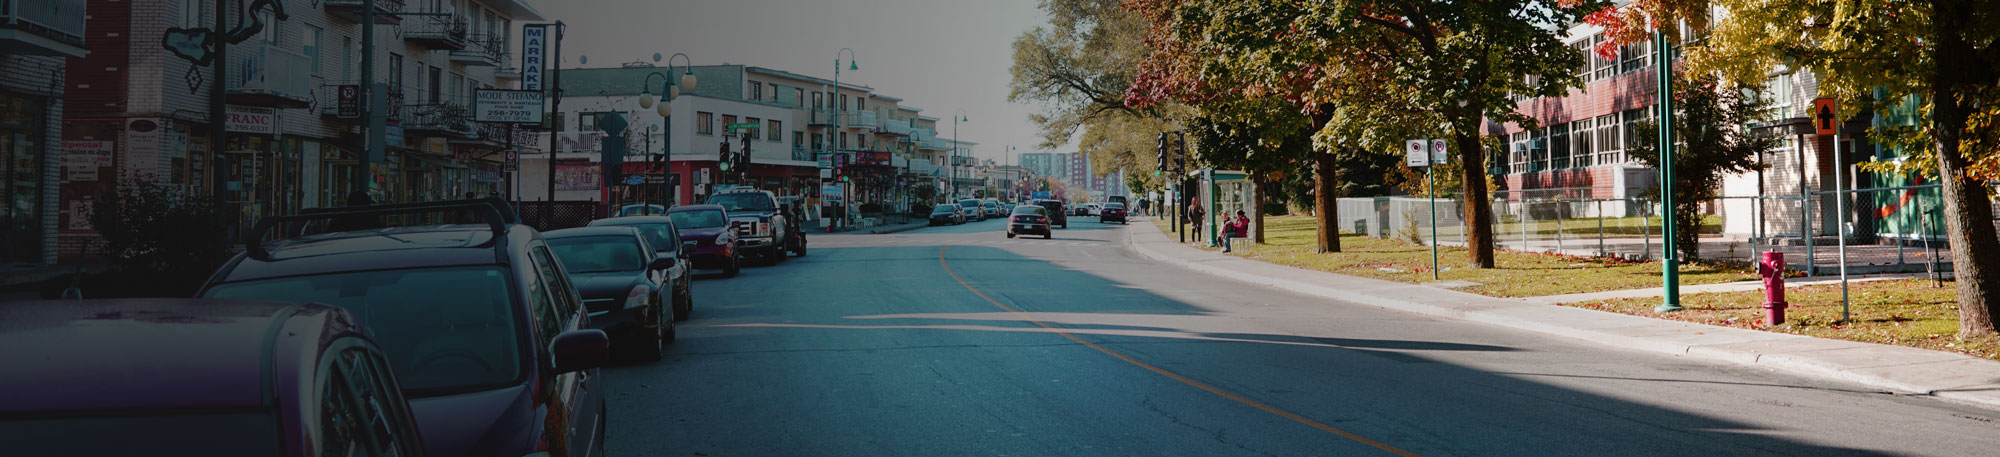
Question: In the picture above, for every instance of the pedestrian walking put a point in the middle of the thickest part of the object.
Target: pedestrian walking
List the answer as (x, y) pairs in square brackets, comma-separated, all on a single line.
[(1194, 215), (1235, 226)]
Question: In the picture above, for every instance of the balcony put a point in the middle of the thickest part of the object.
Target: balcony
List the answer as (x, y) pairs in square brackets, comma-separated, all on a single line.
[(487, 134), (821, 117), (445, 117), (269, 76), (350, 10), (804, 155), (482, 51), (443, 33), (859, 119), (42, 27), (507, 70), (897, 127), (934, 144)]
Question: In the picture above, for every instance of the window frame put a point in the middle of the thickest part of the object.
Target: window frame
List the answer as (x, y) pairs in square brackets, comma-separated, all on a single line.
[(704, 123)]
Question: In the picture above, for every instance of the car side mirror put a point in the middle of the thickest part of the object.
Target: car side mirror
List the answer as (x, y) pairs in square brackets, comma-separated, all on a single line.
[(578, 350), (661, 263), (686, 254)]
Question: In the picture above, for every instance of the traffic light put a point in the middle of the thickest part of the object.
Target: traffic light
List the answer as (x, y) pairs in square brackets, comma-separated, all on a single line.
[(743, 160), (1161, 147), (724, 160)]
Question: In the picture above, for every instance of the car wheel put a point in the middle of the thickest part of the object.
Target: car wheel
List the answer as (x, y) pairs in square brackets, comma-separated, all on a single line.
[(772, 256), (684, 305), (1049, 236), (672, 332), (650, 346), (1010, 234), (802, 248), (735, 265)]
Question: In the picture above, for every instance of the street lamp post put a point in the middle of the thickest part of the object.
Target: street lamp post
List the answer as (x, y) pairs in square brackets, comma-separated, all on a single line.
[(956, 117), (1669, 261), (668, 92), (833, 98)]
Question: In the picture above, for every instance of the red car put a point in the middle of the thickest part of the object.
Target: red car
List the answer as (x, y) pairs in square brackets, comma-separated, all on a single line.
[(174, 377), (1113, 211)]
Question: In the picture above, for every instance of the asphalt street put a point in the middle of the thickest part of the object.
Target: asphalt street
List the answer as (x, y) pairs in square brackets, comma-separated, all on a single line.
[(959, 341)]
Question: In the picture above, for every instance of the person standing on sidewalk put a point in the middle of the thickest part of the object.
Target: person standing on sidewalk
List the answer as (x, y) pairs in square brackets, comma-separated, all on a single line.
[(1194, 215)]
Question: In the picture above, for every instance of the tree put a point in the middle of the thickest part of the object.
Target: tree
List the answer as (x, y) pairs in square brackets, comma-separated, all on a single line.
[(1875, 56), (1714, 143), (163, 241), (1079, 67)]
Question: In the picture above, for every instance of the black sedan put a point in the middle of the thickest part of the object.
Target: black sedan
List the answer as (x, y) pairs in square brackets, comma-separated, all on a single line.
[(1029, 220), (1111, 212), (665, 235), (947, 215), (624, 284)]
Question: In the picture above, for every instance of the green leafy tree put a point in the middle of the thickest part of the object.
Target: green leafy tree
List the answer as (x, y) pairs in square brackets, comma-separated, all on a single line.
[(1713, 145), (1079, 68), (162, 241)]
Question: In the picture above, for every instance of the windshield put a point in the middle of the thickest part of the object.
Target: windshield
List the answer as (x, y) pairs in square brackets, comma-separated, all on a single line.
[(159, 435), (599, 254), (698, 219), (968, 203), (749, 201), (444, 329), (641, 210), (658, 234)]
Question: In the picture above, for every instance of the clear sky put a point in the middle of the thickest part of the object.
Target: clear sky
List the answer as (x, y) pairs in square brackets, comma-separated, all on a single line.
[(938, 55)]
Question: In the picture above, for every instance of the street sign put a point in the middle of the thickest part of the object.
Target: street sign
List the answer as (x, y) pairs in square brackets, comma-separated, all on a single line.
[(534, 55), (1416, 153), (1437, 152), (350, 101), (1826, 116), (508, 106)]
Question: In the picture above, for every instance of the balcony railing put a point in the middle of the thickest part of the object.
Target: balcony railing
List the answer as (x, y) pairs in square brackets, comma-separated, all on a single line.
[(507, 69), (448, 33), (803, 155), (51, 27), (272, 77), (859, 119), (351, 10), (445, 116), (482, 51)]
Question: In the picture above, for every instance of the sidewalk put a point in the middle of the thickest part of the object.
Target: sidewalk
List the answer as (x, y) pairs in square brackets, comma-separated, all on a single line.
[(1904, 370)]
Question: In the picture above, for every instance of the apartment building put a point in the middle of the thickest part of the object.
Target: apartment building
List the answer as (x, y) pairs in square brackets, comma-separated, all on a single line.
[(38, 42), (288, 145)]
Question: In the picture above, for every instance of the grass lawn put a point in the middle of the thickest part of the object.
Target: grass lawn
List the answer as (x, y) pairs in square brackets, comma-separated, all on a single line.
[(1290, 241), (1901, 312)]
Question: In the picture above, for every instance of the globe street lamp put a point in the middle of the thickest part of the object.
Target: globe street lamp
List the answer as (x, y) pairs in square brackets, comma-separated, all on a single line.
[(956, 117), (834, 98), (665, 108)]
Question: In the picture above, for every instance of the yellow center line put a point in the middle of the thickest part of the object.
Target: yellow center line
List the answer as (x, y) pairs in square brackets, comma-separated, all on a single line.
[(1171, 375)]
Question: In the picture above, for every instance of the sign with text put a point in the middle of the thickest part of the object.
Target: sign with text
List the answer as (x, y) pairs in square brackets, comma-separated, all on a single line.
[(142, 148), (349, 106), (81, 159), (508, 106), (1416, 153), (534, 55), (251, 119)]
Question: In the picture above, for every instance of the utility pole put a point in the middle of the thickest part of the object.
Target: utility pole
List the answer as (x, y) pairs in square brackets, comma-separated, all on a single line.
[(555, 110), (217, 97), (1670, 281)]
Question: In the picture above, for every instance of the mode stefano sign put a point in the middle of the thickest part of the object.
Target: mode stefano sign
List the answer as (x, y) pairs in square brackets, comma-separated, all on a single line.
[(534, 55), (510, 106)]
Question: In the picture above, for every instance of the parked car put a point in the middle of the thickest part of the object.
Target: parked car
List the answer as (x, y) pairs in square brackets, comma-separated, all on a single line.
[(480, 322), (706, 232), (625, 285), (766, 231), (152, 377), (972, 210), (1029, 220), (1057, 217), (947, 215), (1113, 211), (641, 210), (991, 207), (663, 234)]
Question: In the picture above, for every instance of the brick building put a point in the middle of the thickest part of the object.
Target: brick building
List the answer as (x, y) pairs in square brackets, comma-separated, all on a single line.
[(38, 42)]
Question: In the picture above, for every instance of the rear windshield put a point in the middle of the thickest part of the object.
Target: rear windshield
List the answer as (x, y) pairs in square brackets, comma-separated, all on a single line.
[(968, 203), (161, 435), (445, 330), (658, 234), (943, 209), (698, 219), (748, 201), (599, 254)]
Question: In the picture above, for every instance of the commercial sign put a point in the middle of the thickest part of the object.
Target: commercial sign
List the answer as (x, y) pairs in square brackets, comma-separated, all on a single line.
[(509, 106), (393, 136), (81, 159), (534, 55), (142, 148), (350, 101), (250, 119)]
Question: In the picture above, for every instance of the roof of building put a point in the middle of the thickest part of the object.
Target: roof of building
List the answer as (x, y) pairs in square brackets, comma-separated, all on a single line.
[(518, 10), (713, 81), (816, 80)]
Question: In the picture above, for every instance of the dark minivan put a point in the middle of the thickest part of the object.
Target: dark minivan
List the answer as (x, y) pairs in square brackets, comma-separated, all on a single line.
[(480, 322), (1057, 217)]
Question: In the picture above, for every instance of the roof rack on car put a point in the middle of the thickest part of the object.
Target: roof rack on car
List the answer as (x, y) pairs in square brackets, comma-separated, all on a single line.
[(496, 212)]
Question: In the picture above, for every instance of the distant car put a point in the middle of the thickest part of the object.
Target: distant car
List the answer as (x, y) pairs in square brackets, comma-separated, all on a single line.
[(1113, 211), (972, 210), (947, 215), (707, 232), (1057, 217), (766, 231), (1119, 199), (991, 208), (641, 210), (663, 234), (1029, 220), (145, 377), (480, 322)]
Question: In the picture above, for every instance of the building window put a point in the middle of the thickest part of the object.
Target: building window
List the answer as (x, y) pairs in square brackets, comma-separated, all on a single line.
[(726, 120), (1610, 140), (756, 91), (559, 125), (1606, 67), (1581, 138), (776, 132), (270, 34), (1517, 151), (1557, 155), (347, 59), (1776, 96), (1634, 56), (752, 121), (819, 99), (843, 141), (311, 47), (395, 73), (433, 82), (191, 14), (1582, 47), (799, 96), (819, 141), (843, 102), (798, 137), (860, 104), (1633, 118), (704, 123), (587, 121)]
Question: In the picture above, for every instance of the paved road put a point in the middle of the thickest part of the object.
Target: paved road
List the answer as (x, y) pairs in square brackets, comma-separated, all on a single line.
[(959, 341)]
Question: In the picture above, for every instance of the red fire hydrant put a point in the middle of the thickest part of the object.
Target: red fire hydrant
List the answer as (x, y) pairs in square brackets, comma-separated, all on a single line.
[(1772, 268)]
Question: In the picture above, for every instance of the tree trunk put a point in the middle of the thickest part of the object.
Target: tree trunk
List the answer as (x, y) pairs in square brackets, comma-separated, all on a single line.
[(1968, 214), (1478, 209), (1326, 188), (1257, 208)]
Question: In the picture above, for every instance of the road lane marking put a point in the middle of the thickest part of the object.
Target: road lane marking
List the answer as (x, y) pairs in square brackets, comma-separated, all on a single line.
[(1169, 374)]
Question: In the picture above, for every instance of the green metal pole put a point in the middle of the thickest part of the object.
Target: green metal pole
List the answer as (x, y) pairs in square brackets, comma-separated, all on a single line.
[(1431, 175), (1670, 280)]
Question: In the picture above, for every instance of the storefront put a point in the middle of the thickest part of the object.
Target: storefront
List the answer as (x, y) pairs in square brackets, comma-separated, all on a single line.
[(21, 177)]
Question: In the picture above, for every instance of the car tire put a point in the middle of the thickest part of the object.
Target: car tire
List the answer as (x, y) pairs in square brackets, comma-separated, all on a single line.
[(772, 256), (802, 248), (734, 267), (651, 346), (1010, 234), (684, 305), (1050, 236)]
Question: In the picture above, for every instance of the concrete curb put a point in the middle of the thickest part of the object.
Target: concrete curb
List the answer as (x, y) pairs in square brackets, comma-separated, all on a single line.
[(899, 229), (1895, 369)]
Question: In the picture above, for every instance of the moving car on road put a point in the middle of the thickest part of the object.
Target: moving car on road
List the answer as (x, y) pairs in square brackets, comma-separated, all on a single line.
[(1029, 220), (708, 234), (480, 322), (991, 208), (947, 215), (626, 285), (1057, 216), (972, 209), (171, 377), (1113, 211), (765, 231)]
